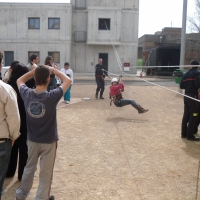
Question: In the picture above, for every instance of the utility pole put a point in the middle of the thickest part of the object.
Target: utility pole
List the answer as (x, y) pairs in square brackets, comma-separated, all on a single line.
[(183, 32)]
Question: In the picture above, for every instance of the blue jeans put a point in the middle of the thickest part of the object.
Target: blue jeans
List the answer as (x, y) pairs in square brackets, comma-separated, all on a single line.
[(67, 94), (5, 151)]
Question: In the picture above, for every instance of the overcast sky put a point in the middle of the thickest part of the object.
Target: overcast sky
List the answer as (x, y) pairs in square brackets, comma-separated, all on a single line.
[(154, 15)]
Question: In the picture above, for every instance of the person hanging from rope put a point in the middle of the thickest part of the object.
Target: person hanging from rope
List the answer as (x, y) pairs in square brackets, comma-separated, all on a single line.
[(100, 74), (116, 89)]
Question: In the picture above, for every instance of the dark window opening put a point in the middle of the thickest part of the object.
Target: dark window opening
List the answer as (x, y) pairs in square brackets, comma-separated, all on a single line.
[(9, 57), (104, 24)]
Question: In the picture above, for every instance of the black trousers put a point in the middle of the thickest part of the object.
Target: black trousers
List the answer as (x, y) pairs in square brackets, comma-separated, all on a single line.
[(19, 148), (190, 119), (100, 86)]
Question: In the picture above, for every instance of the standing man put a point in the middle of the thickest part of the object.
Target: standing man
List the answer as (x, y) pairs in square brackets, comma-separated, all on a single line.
[(100, 74), (42, 135), (66, 70), (191, 82), (34, 59), (9, 125)]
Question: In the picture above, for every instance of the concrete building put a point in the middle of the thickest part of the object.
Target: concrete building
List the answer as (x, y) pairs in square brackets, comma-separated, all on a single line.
[(79, 32)]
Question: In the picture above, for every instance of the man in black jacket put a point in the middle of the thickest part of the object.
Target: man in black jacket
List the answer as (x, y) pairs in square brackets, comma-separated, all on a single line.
[(191, 82), (100, 74)]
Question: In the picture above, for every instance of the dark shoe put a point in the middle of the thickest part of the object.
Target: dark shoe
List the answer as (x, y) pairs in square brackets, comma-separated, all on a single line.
[(101, 98), (183, 136), (96, 96), (140, 109), (193, 138), (51, 197)]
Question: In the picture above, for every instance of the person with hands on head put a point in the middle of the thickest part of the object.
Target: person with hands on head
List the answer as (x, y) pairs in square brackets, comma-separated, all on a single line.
[(116, 89), (42, 135)]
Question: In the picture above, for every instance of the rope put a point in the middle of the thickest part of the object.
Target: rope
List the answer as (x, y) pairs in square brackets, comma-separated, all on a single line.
[(157, 85)]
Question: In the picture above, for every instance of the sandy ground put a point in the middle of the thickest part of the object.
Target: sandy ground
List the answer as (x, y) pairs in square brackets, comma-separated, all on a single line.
[(111, 153)]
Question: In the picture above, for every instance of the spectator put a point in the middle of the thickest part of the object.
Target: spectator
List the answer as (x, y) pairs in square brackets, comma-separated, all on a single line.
[(34, 60), (66, 70), (42, 133), (9, 125), (9, 71), (20, 145), (53, 82)]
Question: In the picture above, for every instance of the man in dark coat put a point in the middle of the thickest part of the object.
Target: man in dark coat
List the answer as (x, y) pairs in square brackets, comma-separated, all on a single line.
[(191, 82)]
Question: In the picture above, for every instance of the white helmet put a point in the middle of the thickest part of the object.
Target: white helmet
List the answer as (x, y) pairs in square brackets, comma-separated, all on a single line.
[(114, 80)]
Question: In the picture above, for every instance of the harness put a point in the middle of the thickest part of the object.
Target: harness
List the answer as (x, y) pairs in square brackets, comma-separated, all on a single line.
[(101, 77), (114, 98)]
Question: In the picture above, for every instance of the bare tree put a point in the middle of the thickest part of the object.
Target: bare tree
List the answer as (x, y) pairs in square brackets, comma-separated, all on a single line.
[(194, 21)]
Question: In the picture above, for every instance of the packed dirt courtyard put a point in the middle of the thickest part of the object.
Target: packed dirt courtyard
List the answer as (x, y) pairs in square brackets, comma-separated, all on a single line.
[(111, 153)]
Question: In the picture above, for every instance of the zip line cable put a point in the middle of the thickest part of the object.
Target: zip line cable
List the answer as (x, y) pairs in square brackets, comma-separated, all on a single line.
[(120, 66)]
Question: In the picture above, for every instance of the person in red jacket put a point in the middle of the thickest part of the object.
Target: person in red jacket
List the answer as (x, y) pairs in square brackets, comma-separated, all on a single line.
[(116, 90)]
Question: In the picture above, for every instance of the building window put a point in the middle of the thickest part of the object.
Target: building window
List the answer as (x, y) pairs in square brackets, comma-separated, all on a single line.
[(9, 57), (33, 52), (54, 23), (104, 24), (33, 23), (55, 56)]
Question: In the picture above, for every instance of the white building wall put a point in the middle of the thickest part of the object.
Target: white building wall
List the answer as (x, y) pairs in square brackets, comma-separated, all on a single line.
[(15, 35), (82, 56), (123, 34)]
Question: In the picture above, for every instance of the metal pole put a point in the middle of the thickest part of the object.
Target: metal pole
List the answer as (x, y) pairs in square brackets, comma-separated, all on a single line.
[(183, 32)]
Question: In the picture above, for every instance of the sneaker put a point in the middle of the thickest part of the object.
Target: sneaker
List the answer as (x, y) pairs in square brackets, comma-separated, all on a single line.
[(101, 98), (51, 197), (96, 96), (68, 102)]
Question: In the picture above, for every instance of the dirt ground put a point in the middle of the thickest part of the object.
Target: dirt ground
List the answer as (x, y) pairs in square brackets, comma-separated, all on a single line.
[(110, 153)]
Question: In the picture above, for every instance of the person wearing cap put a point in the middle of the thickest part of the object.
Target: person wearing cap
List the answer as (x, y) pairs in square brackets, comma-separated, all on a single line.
[(116, 89), (190, 121), (66, 70)]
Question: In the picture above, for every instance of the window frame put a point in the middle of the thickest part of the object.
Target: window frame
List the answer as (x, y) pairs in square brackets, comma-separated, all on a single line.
[(55, 59), (33, 18), (101, 20), (53, 18)]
